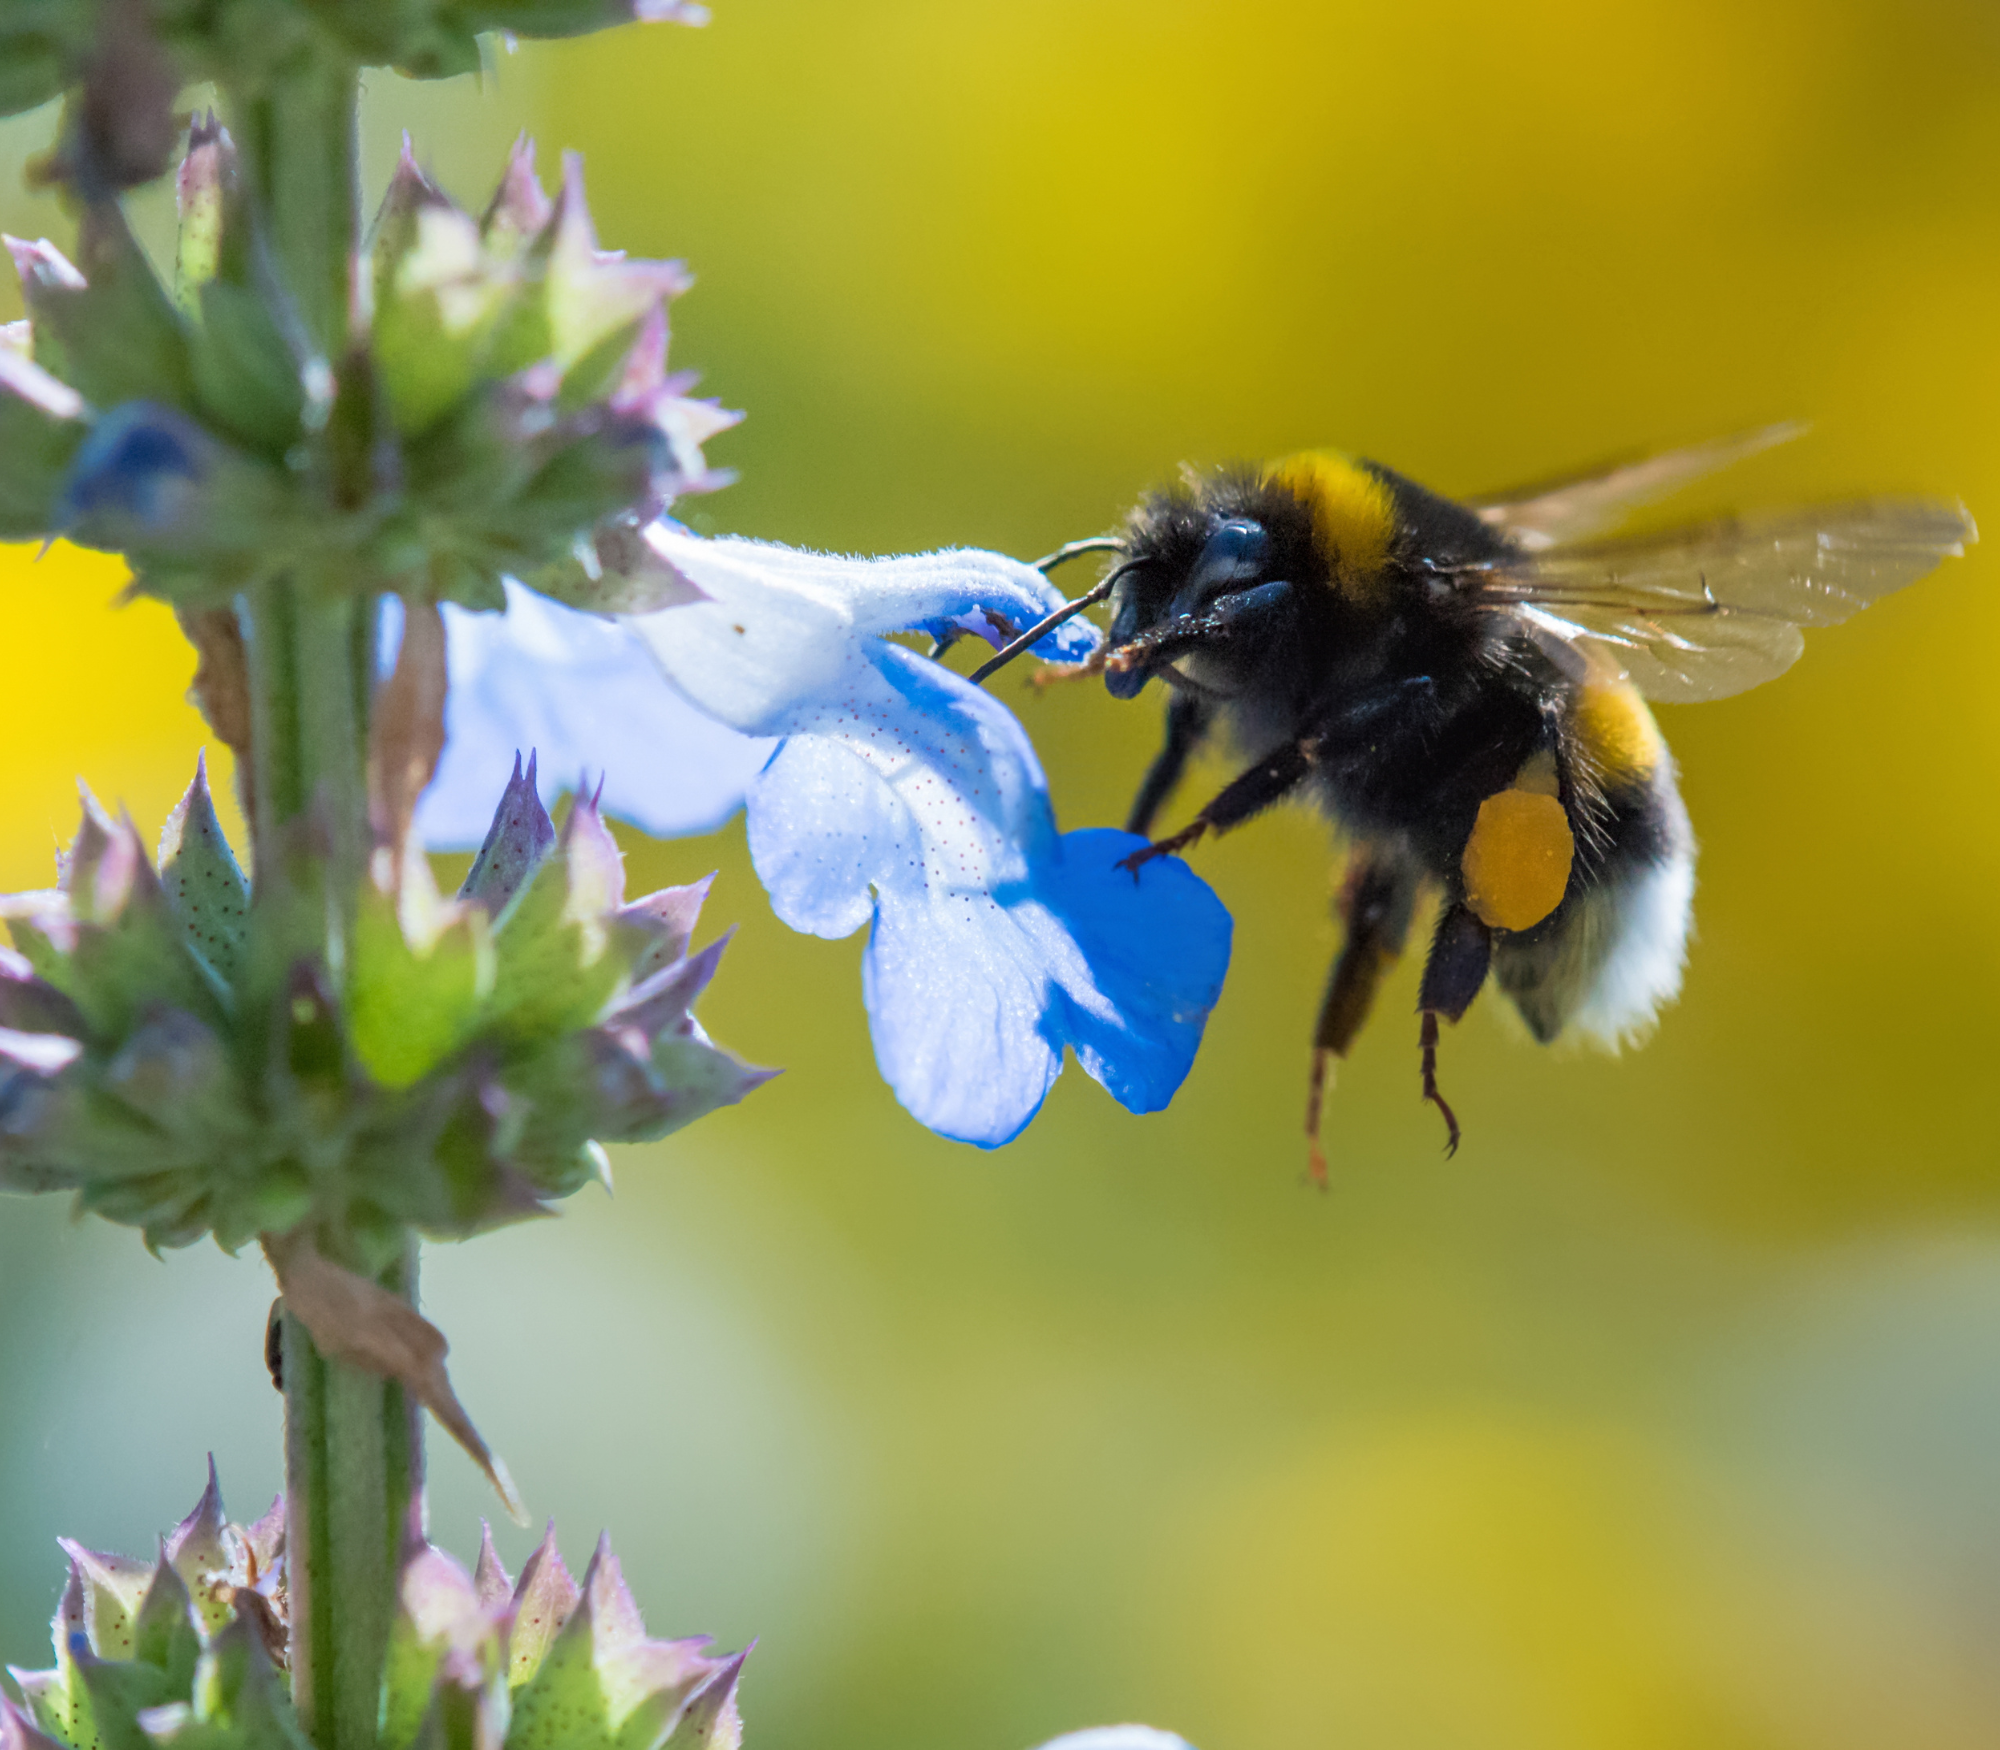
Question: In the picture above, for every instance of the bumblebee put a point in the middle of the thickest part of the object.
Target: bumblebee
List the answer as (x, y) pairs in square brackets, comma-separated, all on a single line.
[(1462, 690)]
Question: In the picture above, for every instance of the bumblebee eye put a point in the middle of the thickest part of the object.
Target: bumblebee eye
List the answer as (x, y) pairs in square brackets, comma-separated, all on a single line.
[(1234, 555)]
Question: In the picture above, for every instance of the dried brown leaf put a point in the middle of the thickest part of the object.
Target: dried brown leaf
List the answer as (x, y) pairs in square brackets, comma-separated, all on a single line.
[(361, 1323), (406, 731), (221, 686)]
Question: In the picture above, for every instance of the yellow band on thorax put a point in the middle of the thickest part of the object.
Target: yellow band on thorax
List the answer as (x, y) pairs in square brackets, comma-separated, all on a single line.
[(1354, 513)]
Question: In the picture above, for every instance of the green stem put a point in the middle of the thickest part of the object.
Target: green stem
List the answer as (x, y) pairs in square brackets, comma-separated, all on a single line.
[(296, 137), (353, 1452), (353, 1468), (309, 656)]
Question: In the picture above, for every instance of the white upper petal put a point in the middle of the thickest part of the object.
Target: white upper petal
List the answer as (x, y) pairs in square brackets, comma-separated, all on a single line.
[(584, 693), (781, 625)]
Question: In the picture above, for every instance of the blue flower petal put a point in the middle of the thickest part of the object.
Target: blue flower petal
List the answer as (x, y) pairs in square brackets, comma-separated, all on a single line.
[(958, 1000), (900, 794), (917, 798), (1156, 949), (586, 694)]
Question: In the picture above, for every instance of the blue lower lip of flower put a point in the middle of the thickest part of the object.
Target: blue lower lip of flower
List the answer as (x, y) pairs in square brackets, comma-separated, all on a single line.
[(996, 942), (972, 1004)]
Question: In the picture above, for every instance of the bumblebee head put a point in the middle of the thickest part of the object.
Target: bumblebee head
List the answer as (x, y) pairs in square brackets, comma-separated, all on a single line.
[(1224, 566), (1153, 597), (1217, 570)]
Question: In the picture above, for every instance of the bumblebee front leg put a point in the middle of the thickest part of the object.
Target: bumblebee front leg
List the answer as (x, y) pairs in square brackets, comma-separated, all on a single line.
[(1375, 902), (1187, 723), (1249, 793), (1460, 953)]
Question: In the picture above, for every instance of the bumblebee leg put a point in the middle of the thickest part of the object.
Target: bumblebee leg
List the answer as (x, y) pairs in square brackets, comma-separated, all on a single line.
[(1187, 723), (1375, 902), (1246, 794), (1427, 1045), (1460, 953)]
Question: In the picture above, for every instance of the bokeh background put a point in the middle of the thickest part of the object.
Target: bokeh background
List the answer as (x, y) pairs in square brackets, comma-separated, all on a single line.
[(1667, 1414)]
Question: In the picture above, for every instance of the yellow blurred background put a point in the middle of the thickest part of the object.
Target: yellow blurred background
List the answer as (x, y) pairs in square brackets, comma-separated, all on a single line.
[(1668, 1413)]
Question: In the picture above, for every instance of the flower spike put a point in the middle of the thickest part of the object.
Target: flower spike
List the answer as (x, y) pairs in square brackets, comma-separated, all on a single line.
[(461, 1071)]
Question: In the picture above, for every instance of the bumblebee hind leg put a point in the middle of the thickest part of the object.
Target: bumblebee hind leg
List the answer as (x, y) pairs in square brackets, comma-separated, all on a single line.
[(1461, 952), (1375, 902)]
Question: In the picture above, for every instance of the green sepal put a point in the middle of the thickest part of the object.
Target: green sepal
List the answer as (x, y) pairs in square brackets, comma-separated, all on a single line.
[(441, 298), (38, 449), (243, 371), (237, 1702), (202, 189), (164, 1634), (203, 881), (441, 1613), (702, 1078), (560, 952), (129, 953), (119, 1691), (411, 1005), (120, 337), (600, 1683), (519, 841)]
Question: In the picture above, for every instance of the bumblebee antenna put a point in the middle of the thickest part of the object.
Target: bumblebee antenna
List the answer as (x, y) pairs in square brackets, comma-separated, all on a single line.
[(1076, 549), (1068, 611)]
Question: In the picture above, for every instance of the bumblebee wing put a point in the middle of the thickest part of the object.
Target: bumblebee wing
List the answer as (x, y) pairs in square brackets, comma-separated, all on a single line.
[(1583, 505), (1705, 612)]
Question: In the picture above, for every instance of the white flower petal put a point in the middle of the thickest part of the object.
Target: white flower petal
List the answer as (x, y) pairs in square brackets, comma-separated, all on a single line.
[(584, 693), (1118, 1738), (779, 620)]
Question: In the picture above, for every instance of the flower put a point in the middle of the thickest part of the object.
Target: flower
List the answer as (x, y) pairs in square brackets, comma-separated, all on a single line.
[(904, 796), (572, 686), (1118, 1738)]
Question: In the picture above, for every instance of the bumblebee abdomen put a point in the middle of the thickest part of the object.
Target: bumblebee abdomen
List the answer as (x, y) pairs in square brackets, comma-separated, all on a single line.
[(1603, 962)]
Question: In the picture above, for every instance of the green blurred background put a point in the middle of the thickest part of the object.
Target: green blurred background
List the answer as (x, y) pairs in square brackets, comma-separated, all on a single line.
[(1667, 1414)]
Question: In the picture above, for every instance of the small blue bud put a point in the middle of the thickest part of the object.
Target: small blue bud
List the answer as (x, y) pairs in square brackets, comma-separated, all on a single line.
[(140, 460)]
